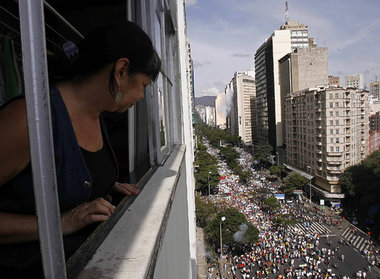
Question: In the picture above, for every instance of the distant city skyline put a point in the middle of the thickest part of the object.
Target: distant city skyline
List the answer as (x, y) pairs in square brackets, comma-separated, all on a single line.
[(224, 35)]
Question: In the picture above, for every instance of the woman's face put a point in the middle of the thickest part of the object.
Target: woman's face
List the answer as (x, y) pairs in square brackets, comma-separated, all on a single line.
[(132, 90)]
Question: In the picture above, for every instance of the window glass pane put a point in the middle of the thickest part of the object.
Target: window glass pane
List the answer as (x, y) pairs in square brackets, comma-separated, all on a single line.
[(157, 33), (161, 109)]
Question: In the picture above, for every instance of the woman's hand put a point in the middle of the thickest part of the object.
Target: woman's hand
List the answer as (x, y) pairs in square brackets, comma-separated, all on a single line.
[(86, 213), (126, 189)]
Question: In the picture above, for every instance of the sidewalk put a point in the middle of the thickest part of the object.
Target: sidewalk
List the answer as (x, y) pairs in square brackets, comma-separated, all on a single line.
[(201, 255)]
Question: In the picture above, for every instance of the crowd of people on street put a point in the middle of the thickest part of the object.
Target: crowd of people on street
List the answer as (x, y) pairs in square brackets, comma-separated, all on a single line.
[(281, 251)]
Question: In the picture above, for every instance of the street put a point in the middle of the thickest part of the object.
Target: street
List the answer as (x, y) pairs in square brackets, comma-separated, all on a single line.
[(319, 245)]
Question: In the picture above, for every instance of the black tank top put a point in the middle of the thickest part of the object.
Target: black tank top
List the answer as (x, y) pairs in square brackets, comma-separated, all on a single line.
[(102, 169)]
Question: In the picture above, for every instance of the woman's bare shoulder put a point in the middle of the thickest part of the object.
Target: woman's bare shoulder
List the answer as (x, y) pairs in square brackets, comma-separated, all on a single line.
[(14, 141)]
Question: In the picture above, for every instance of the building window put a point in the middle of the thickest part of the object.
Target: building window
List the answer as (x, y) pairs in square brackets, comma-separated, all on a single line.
[(331, 105), (337, 149), (337, 131), (337, 140), (331, 148), (331, 122), (331, 131), (331, 113), (337, 122)]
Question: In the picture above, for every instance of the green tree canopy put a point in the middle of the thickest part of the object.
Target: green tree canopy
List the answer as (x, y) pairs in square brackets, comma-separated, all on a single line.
[(361, 185), (236, 229), (245, 176), (263, 153), (216, 136), (272, 203), (276, 170), (294, 181), (206, 171), (205, 212)]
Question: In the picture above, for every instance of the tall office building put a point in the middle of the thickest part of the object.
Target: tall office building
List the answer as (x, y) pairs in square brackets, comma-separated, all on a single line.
[(301, 69), (356, 81), (242, 111), (327, 130), (299, 34), (374, 90), (268, 97)]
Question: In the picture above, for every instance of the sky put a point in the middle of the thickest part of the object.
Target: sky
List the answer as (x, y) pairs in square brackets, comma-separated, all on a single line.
[(225, 34)]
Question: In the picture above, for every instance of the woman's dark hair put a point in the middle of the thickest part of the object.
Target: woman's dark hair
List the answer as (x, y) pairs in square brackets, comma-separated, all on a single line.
[(106, 44)]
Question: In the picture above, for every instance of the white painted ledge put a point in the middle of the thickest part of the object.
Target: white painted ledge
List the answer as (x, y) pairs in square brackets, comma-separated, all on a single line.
[(130, 250)]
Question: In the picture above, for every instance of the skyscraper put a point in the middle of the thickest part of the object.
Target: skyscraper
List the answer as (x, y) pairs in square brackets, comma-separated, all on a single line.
[(240, 101), (268, 97)]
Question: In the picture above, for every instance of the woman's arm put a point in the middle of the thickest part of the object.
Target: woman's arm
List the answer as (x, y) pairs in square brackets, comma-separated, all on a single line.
[(14, 140), (17, 228), (21, 228)]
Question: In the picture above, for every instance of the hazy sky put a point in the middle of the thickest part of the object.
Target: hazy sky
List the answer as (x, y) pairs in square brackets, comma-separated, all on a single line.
[(225, 34)]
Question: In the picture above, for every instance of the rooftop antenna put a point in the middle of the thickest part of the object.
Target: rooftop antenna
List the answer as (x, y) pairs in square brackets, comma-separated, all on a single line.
[(286, 12)]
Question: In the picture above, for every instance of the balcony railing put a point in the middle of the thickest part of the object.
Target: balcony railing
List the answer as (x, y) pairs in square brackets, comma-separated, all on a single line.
[(334, 154)]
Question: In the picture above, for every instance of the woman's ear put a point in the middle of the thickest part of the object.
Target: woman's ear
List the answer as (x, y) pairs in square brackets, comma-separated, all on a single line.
[(121, 68)]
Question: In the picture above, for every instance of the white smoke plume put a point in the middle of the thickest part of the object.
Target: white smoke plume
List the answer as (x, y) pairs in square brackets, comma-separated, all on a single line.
[(229, 97), (238, 236)]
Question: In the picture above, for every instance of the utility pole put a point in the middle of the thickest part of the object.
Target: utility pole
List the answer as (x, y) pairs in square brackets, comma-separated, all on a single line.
[(221, 242), (208, 181)]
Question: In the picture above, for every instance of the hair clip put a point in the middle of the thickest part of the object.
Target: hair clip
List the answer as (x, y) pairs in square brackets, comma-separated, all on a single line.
[(71, 50)]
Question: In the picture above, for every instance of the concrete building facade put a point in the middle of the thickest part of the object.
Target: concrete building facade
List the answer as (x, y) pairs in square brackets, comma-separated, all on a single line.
[(374, 90), (374, 141), (190, 86), (356, 81), (334, 81), (243, 101), (374, 122), (240, 101), (299, 34), (327, 130), (374, 105), (268, 96), (301, 69)]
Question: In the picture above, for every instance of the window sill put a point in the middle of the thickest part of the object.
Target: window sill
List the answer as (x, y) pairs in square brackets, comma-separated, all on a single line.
[(131, 248)]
